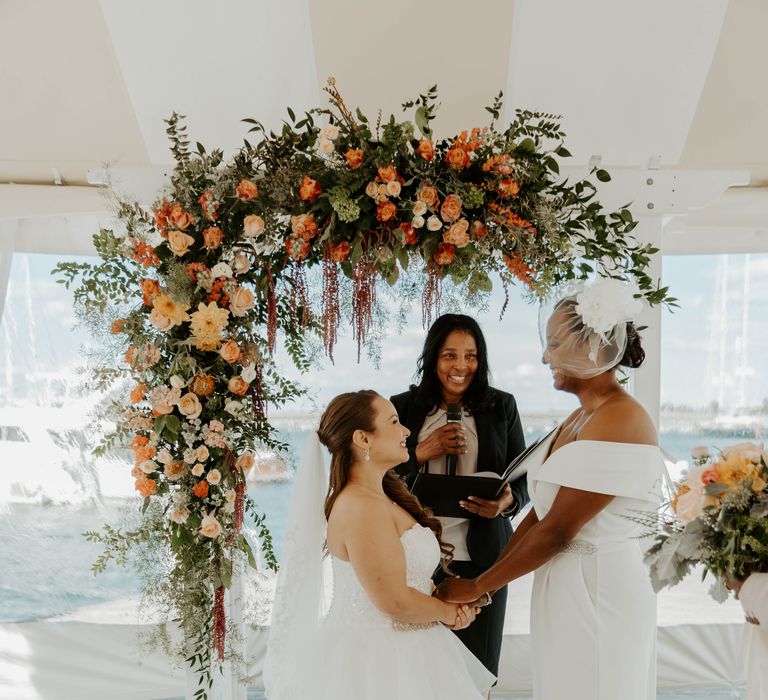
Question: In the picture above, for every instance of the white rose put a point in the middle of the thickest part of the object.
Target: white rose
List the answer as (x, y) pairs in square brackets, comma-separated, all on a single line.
[(202, 453), (210, 527), (330, 132), (198, 470), (419, 209), (214, 477), (233, 407), (434, 223), (221, 270), (393, 188), (177, 382), (241, 265), (164, 457), (325, 146), (162, 323), (748, 450), (228, 508), (689, 505), (417, 221), (249, 373), (148, 467), (179, 515), (230, 496)]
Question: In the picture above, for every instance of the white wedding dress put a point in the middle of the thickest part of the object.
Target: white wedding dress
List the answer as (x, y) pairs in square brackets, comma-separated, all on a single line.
[(593, 611), (360, 653)]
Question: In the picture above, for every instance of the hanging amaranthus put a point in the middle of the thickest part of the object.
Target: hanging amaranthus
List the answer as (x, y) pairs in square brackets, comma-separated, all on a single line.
[(363, 300), (271, 312), (330, 303), (219, 623), (433, 292)]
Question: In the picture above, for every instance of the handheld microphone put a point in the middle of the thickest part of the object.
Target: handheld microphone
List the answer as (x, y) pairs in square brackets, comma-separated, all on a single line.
[(452, 415)]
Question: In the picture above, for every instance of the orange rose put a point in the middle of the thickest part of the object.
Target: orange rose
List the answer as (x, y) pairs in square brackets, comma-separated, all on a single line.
[(428, 195), (388, 173), (445, 254), (209, 206), (238, 386), (411, 238), (143, 454), (150, 289), (340, 251), (451, 209), (477, 229), (426, 149), (309, 190), (138, 393), (230, 351), (179, 242), (179, 218), (200, 489), (457, 158), (509, 188), (457, 234), (117, 326), (304, 225), (194, 268), (202, 384), (354, 158), (212, 237), (386, 211), (139, 441), (247, 190), (145, 486), (161, 214), (297, 247)]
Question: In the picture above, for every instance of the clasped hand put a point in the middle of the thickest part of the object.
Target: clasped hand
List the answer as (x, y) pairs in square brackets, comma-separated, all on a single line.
[(460, 590)]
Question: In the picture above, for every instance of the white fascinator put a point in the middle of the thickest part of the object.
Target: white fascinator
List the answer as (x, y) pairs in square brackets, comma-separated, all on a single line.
[(583, 326)]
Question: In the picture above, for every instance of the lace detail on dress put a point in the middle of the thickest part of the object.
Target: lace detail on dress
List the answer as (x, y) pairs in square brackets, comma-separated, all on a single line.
[(578, 547), (351, 605)]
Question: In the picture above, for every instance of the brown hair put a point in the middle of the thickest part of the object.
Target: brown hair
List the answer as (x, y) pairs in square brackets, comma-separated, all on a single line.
[(354, 411)]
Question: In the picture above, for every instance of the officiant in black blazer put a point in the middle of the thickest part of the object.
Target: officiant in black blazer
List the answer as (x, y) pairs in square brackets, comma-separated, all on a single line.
[(453, 369)]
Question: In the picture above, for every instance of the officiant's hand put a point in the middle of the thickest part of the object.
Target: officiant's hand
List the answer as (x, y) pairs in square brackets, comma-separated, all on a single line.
[(486, 508), (458, 590), (448, 439)]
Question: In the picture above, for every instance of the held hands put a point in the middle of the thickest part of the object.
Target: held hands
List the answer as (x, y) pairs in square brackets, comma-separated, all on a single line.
[(486, 508), (459, 590), (460, 616), (448, 439)]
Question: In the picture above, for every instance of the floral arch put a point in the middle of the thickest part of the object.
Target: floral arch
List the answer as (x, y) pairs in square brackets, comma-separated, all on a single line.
[(290, 237)]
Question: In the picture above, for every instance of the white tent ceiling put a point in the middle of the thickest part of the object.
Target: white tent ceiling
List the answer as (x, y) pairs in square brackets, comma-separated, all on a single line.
[(84, 83)]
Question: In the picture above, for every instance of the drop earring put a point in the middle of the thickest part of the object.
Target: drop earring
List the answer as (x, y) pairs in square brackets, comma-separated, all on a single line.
[(367, 455)]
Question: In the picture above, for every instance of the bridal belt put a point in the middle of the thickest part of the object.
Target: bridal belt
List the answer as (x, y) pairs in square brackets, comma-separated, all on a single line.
[(583, 548)]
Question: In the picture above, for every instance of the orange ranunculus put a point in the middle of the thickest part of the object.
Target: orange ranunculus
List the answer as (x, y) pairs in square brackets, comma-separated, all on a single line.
[(203, 384), (194, 268), (138, 392), (230, 351), (457, 158), (477, 229), (451, 209), (146, 486), (354, 157), (149, 289), (519, 269), (387, 173), (509, 187), (162, 213), (411, 237), (340, 251), (118, 326), (426, 149), (139, 441), (297, 247), (304, 225), (237, 385), (200, 489), (131, 354), (144, 253), (428, 195), (212, 237), (386, 211), (179, 218), (445, 254), (309, 190), (209, 206), (246, 190)]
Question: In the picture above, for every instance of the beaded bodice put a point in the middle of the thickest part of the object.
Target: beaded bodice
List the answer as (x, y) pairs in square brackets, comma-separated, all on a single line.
[(351, 605)]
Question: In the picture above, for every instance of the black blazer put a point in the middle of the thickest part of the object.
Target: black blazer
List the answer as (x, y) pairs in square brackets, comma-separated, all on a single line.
[(500, 439)]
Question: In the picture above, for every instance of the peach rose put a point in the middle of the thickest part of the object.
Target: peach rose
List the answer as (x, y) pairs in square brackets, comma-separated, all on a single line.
[(451, 209), (253, 226), (246, 190), (148, 466), (200, 489), (210, 527), (179, 515), (230, 351), (387, 173), (174, 470), (309, 190), (212, 237), (202, 453), (297, 247), (145, 486), (477, 229), (241, 301), (238, 386), (162, 399), (386, 211), (418, 221), (213, 477), (458, 234), (372, 189), (198, 470), (434, 223), (190, 406), (325, 146), (340, 251), (304, 225), (509, 188), (162, 323), (445, 254), (149, 289), (137, 395), (245, 461), (428, 195), (426, 149), (457, 158), (179, 242), (354, 158), (179, 218)]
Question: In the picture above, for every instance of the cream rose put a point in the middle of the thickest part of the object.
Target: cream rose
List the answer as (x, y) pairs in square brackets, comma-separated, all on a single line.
[(245, 461), (148, 466), (210, 527), (241, 301), (190, 405), (371, 189), (164, 457), (417, 221), (233, 407), (202, 453), (174, 470), (689, 505), (253, 226), (330, 132), (162, 323), (393, 188), (221, 270), (434, 223), (179, 515), (419, 209), (177, 382), (214, 477), (179, 242), (230, 351), (198, 470), (325, 146), (249, 372)]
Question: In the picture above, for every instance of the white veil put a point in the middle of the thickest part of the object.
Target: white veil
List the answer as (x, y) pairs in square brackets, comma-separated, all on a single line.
[(299, 602)]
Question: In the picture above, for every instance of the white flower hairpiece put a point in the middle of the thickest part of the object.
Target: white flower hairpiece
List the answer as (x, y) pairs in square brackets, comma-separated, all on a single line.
[(608, 302)]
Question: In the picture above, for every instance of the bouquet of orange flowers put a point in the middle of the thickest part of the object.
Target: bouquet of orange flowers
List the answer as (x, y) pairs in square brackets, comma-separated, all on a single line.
[(717, 517)]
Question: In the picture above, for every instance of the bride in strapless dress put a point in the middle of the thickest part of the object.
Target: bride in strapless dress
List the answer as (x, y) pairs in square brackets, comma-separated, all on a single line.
[(385, 636)]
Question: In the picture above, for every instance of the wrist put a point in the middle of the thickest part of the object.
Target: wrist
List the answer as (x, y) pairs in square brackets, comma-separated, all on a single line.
[(448, 616)]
